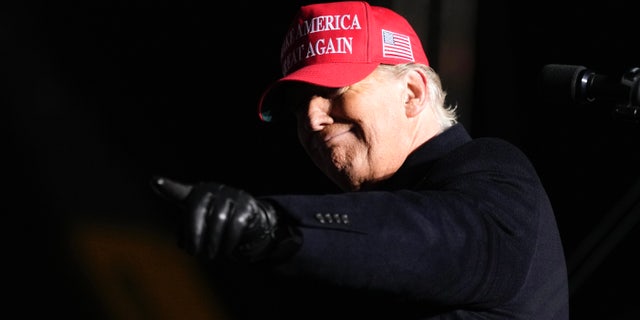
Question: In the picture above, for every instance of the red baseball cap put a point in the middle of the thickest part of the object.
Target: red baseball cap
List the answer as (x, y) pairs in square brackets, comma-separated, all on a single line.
[(337, 44)]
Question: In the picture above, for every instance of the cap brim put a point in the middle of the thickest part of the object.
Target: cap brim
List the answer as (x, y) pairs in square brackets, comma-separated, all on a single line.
[(332, 75)]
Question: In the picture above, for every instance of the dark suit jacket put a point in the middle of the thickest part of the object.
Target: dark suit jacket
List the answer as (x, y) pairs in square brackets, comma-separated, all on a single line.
[(464, 230)]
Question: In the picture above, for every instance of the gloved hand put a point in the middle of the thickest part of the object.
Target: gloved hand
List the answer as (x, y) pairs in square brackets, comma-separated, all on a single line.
[(222, 220)]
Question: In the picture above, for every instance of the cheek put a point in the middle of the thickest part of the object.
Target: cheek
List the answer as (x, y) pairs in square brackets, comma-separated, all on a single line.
[(382, 118), (385, 133)]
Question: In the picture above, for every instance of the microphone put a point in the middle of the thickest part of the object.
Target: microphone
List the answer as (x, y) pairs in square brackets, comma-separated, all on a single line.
[(578, 85)]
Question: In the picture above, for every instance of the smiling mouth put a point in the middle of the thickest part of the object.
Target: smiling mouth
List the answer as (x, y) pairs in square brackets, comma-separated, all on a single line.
[(323, 142), (333, 136)]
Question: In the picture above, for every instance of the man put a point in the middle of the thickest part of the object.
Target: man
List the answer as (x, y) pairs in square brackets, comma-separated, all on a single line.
[(431, 225)]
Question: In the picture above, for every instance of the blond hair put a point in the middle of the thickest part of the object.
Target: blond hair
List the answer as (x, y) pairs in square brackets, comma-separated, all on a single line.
[(446, 114)]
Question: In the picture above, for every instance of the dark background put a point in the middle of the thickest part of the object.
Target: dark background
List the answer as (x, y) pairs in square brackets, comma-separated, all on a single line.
[(100, 96)]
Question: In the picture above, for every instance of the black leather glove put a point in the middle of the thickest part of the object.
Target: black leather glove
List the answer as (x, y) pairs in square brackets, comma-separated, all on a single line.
[(221, 220)]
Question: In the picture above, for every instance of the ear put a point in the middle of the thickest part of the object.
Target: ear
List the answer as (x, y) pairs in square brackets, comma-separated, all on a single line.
[(416, 92)]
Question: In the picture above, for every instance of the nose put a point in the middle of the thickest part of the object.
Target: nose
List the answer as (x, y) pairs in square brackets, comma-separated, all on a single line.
[(318, 113)]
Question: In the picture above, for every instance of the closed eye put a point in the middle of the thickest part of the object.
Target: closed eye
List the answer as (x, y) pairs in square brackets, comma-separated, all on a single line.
[(298, 95)]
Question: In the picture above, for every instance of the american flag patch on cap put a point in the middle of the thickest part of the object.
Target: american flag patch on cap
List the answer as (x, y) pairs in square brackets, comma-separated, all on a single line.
[(396, 45)]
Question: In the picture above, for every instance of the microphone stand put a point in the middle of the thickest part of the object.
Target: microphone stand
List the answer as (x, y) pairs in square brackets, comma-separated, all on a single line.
[(625, 214), (614, 227)]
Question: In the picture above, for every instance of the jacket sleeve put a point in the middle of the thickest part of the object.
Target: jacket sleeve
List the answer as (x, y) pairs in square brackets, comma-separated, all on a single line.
[(465, 235)]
